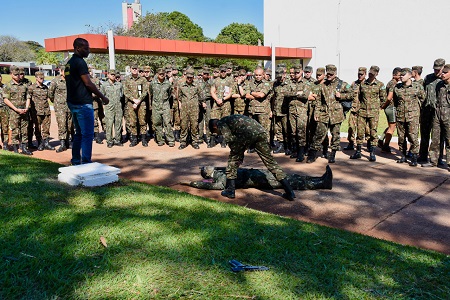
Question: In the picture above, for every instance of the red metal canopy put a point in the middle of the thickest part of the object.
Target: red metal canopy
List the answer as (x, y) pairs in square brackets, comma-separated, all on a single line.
[(149, 46)]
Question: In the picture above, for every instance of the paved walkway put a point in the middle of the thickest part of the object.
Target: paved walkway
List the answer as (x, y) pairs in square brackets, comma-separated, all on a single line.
[(382, 199)]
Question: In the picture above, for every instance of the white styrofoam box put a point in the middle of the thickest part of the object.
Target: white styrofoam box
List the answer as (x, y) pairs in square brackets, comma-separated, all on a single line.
[(93, 174)]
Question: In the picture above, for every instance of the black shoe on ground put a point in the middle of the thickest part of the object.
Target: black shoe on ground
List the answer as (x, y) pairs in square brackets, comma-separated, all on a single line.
[(109, 144)]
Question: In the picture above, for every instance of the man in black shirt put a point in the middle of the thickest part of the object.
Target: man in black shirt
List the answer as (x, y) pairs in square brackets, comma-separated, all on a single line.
[(79, 99)]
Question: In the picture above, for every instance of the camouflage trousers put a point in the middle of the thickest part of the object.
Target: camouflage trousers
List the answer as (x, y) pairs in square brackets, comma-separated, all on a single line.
[(19, 127), (176, 116), (352, 127), (372, 124), (161, 124), (298, 119), (204, 116), (99, 118), (322, 134), (262, 147), (136, 118), (41, 127), (218, 112), (281, 128), (65, 124), (264, 120), (441, 129), (189, 123), (427, 116), (113, 122), (4, 123), (408, 130)]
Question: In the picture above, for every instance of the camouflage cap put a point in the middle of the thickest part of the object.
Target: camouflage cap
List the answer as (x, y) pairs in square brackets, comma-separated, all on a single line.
[(206, 70), (223, 68), (297, 68), (242, 72), (320, 71), (362, 70), (417, 69), (147, 69), (235, 73), (189, 73), (281, 65), (405, 70), (14, 70), (112, 72), (134, 65), (279, 72), (174, 67), (438, 63), (331, 69), (308, 69), (374, 70), (21, 70), (39, 74), (161, 71), (216, 70), (446, 68)]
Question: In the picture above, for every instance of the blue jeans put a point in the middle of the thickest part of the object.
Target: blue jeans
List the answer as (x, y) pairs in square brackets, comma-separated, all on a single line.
[(83, 122)]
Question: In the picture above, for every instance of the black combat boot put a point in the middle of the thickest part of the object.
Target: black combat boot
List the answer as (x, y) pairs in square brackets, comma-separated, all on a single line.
[(369, 146), (402, 158), (372, 156), (97, 138), (350, 146), (176, 135), (230, 188), (144, 140), (300, 154), (223, 144), (332, 158), (287, 148), (40, 145), (63, 146), (47, 145), (15, 148), (279, 148), (323, 182), (294, 150), (24, 149), (311, 156), (357, 153), (5, 146), (133, 141), (413, 162), (288, 191), (324, 151), (212, 142), (30, 145)]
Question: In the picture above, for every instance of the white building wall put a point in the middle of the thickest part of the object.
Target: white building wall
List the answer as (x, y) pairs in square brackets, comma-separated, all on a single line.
[(354, 33)]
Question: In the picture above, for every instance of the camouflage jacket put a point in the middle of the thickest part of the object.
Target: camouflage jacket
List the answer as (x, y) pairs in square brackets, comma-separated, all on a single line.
[(135, 88), (240, 103), (356, 96), (96, 100), (328, 108), (407, 100), (38, 96), (373, 95), (238, 129), (443, 98), (189, 95), (160, 94), (261, 105), (16, 93), (114, 92), (390, 88), (223, 87), (57, 93), (2, 103), (429, 85), (298, 92), (280, 102)]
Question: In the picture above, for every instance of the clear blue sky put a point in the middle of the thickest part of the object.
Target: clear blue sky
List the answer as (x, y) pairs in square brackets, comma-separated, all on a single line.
[(37, 20)]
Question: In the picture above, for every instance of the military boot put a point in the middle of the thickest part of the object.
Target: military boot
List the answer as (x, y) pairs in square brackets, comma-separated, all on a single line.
[(279, 148), (300, 154), (332, 157), (413, 162), (369, 146), (5, 146), (212, 142), (288, 191), (372, 156), (47, 145), (230, 188), (24, 149), (402, 159), (62, 147), (133, 141), (15, 148), (68, 146), (323, 182), (311, 156), (30, 145), (97, 138), (287, 148), (41, 145), (176, 135), (324, 151), (350, 146), (357, 153), (144, 140)]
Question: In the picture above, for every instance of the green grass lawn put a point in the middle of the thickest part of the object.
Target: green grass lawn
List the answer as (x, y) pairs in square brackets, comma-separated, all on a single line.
[(164, 244)]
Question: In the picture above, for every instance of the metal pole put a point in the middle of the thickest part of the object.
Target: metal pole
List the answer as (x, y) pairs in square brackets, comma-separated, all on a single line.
[(112, 58), (273, 61)]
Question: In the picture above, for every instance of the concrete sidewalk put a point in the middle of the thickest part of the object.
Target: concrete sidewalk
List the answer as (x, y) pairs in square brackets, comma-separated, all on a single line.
[(383, 199)]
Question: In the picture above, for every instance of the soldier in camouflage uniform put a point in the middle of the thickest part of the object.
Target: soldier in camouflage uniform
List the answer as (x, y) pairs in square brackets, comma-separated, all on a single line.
[(58, 95), (329, 112), (441, 120), (113, 90), (372, 93), (353, 117), (40, 113), (221, 92), (176, 114), (4, 117), (160, 93), (260, 179), (241, 133), (240, 104), (189, 96), (307, 76), (280, 104), (416, 73), (298, 92), (99, 114), (15, 96), (427, 112), (408, 96), (30, 128), (205, 112), (148, 75), (135, 89)]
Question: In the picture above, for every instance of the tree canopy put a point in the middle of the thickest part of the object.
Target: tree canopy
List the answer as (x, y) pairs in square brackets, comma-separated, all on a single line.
[(11, 49), (236, 33)]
